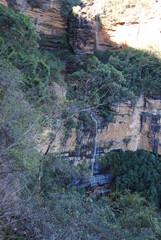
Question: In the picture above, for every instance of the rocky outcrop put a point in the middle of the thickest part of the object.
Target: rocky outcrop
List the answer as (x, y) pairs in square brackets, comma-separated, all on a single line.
[(90, 27), (83, 29), (134, 126), (102, 24), (95, 24), (46, 16), (4, 2)]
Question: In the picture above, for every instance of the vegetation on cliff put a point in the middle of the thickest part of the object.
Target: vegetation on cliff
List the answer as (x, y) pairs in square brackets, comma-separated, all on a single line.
[(36, 201), (141, 69), (98, 86)]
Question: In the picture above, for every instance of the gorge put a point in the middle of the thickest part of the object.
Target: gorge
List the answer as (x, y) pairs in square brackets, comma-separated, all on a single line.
[(80, 119), (141, 124)]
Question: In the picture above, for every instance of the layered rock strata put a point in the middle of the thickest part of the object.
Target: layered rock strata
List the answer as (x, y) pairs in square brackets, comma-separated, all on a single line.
[(104, 25), (134, 126), (96, 24), (46, 16)]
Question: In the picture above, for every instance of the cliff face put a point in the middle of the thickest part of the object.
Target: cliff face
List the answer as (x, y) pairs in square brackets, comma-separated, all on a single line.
[(133, 127), (101, 25), (90, 28), (96, 24), (4, 2), (46, 15)]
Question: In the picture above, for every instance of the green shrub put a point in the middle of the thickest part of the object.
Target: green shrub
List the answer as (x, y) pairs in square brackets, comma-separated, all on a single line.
[(16, 117), (17, 32)]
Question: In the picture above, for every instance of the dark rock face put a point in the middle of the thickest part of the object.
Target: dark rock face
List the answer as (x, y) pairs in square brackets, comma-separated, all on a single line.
[(81, 34), (18, 5), (154, 130), (95, 181), (99, 180)]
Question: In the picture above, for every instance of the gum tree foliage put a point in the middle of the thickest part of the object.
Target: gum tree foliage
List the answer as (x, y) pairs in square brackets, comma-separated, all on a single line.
[(19, 123), (98, 85)]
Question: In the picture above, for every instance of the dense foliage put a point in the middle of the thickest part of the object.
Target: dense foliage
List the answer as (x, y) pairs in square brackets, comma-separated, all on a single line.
[(141, 69), (98, 85), (64, 213), (36, 201), (19, 45), (137, 171)]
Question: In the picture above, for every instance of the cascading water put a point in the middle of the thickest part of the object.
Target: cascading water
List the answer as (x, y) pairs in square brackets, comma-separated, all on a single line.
[(96, 179), (96, 167), (96, 32), (95, 143), (80, 144), (79, 20)]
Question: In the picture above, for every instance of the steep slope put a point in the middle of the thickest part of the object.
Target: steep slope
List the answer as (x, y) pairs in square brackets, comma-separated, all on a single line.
[(134, 126), (47, 17), (100, 25), (113, 24)]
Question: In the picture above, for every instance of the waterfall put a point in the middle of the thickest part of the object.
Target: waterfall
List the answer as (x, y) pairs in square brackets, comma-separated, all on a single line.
[(96, 32), (80, 145), (96, 167), (95, 143), (79, 20), (96, 35), (96, 179)]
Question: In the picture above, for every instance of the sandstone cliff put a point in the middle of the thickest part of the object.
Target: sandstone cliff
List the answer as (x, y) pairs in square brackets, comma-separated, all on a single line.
[(107, 24), (46, 16), (97, 24), (90, 28), (135, 126)]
